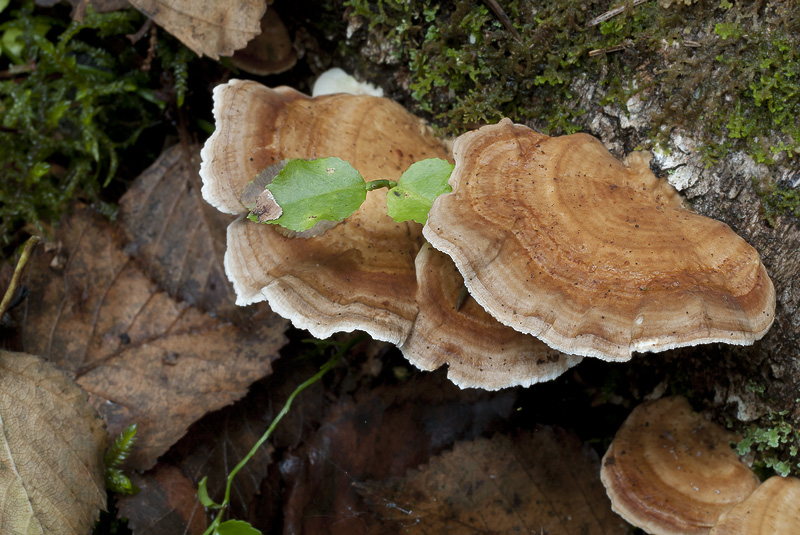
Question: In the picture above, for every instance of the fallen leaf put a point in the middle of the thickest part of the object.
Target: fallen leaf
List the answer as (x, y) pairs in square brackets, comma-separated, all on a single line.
[(166, 504), (177, 237), (51, 451), (539, 482), (381, 434), (206, 26), (147, 358)]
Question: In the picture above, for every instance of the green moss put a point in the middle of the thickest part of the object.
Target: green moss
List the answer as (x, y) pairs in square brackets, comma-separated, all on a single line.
[(466, 68), (776, 201), (74, 97), (775, 444)]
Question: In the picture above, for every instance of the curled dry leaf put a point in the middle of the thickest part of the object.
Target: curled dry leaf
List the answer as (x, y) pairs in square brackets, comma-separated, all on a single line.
[(540, 482), (772, 509), (670, 471), (557, 238), (145, 357), (166, 504), (52, 450), (207, 27)]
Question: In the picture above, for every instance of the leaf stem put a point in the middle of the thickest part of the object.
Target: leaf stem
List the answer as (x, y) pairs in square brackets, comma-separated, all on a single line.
[(331, 362), (12, 285), (375, 184)]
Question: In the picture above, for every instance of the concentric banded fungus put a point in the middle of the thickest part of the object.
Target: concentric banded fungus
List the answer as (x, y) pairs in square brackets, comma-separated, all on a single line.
[(773, 509), (671, 472), (558, 239), (480, 351), (358, 275)]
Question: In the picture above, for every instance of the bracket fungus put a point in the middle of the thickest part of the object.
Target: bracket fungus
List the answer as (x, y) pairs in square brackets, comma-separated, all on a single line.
[(359, 274), (479, 350), (558, 239), (671, 472), (772, 509), (362, 273)]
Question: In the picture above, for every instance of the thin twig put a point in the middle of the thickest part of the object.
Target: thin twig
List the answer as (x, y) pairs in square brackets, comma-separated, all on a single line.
[(612, 13), (616, 48), (12, 285), (500, 14), (134, 37)]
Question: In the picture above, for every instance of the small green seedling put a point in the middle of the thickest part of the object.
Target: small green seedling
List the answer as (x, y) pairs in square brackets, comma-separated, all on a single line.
[(116, 480), (239, 527), (308, 191)]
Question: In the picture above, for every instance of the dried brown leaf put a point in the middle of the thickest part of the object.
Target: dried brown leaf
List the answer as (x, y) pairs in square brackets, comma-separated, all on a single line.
[(206, 26), (540, 482), (166, 504), (177, 237), (147, 358), (51, 451), (385, 433)]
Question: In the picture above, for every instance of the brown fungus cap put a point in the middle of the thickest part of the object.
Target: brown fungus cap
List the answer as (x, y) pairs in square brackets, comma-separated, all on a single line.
[(773, 509), (359, 274), (557, 238), (671, 472), (480, 351)]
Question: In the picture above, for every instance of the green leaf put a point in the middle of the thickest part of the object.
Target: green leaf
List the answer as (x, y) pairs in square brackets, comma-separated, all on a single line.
[(3, 4), (309, 191), (236, 527), (202, 495), (417, 188)]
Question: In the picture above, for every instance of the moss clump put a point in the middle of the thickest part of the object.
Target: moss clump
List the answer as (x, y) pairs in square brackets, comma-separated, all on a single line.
[(775, 444), (74, 95), (742, 84), (776, 201), (467, 69)]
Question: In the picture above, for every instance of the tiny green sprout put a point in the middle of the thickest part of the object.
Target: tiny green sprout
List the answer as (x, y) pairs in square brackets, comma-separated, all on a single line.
[(308, 191), (116, 480)]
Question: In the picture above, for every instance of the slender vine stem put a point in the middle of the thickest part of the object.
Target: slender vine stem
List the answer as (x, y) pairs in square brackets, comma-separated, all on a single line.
[(376, 184), (331, 362)]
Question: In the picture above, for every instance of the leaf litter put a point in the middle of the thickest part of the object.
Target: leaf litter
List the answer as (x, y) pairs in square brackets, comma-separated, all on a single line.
[(145, 356)]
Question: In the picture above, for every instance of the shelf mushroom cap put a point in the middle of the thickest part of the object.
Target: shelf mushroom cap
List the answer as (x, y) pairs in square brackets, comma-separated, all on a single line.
[(359, 274), (772, 509), (480, 351), (558, 239), (671, 472)]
